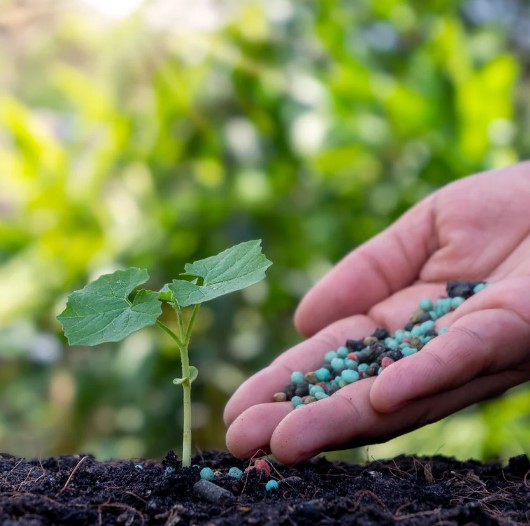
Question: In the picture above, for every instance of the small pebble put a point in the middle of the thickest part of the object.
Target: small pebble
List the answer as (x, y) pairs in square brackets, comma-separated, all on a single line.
[(211, 492), (272, 484), (207, 474)]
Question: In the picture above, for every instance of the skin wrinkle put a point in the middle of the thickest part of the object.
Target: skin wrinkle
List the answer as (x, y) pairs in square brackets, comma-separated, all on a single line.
[(374, 264), (348, 402), (403, 250), (498, 272), (432, 243)]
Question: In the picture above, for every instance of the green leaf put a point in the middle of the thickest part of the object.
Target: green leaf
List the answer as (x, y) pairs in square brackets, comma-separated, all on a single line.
[(194, 372), (164, 294), (101, 311), (233, 269)]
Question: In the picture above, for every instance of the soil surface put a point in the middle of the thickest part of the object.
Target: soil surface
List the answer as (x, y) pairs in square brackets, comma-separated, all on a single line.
[(79, 490)]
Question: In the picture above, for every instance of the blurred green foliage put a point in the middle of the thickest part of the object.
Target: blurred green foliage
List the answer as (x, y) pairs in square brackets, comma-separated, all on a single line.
[(167, 136)]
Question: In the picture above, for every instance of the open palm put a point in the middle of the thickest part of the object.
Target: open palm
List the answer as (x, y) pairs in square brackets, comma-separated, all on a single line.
[(477, 228)]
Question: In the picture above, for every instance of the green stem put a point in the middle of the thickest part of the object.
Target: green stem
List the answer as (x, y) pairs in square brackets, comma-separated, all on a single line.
[(186, 391), (186, 405), (166, 329), (178, 310), (191, 322)]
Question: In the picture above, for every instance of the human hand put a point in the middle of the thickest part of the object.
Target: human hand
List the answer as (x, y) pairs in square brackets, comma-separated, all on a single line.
[(477, 228)]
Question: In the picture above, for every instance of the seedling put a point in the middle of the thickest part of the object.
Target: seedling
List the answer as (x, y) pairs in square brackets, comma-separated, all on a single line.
[(109, 309)]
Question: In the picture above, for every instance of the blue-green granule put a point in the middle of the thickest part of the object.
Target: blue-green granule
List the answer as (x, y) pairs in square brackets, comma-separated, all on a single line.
[(297, 377), (365, 357), (426, 304), (323, 374), (207, 474), (342, 352), (235, 473), (297, 400), (329, 356), (350, 376), (337, 363), (272, 484)]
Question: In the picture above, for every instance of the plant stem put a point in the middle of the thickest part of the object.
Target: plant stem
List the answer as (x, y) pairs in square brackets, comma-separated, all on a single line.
[(186, 391), (186, 405), (165, 328), (182, 344)]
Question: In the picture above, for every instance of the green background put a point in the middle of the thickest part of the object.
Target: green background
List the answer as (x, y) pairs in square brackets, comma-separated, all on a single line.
[(167, 136)]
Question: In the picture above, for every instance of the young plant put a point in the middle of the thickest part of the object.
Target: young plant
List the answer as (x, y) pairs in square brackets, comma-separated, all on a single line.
[(108, 309)]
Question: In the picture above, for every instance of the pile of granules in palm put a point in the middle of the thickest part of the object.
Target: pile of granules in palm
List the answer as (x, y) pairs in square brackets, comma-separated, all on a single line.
[(358, 359)]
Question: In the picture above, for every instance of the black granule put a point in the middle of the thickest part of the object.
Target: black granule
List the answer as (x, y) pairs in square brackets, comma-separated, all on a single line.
[(380, 333), (302, 389), (355, 345), (378, 348), (461, 288), (371, 371), (371, 350), (290, 390)]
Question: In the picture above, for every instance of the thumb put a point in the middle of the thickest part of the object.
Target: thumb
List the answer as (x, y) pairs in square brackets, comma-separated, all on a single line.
[(389, 262)]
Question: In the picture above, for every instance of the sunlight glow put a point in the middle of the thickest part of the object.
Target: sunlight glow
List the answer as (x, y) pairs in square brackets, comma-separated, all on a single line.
[(115, 8)]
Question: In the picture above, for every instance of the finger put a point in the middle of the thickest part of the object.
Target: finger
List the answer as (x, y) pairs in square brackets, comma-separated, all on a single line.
[(251, 431), (306, 356), (475, 345), (347, 418), (387, 263)]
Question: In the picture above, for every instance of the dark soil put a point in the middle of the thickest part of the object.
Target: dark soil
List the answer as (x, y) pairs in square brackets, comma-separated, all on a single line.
[(79, 490)]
